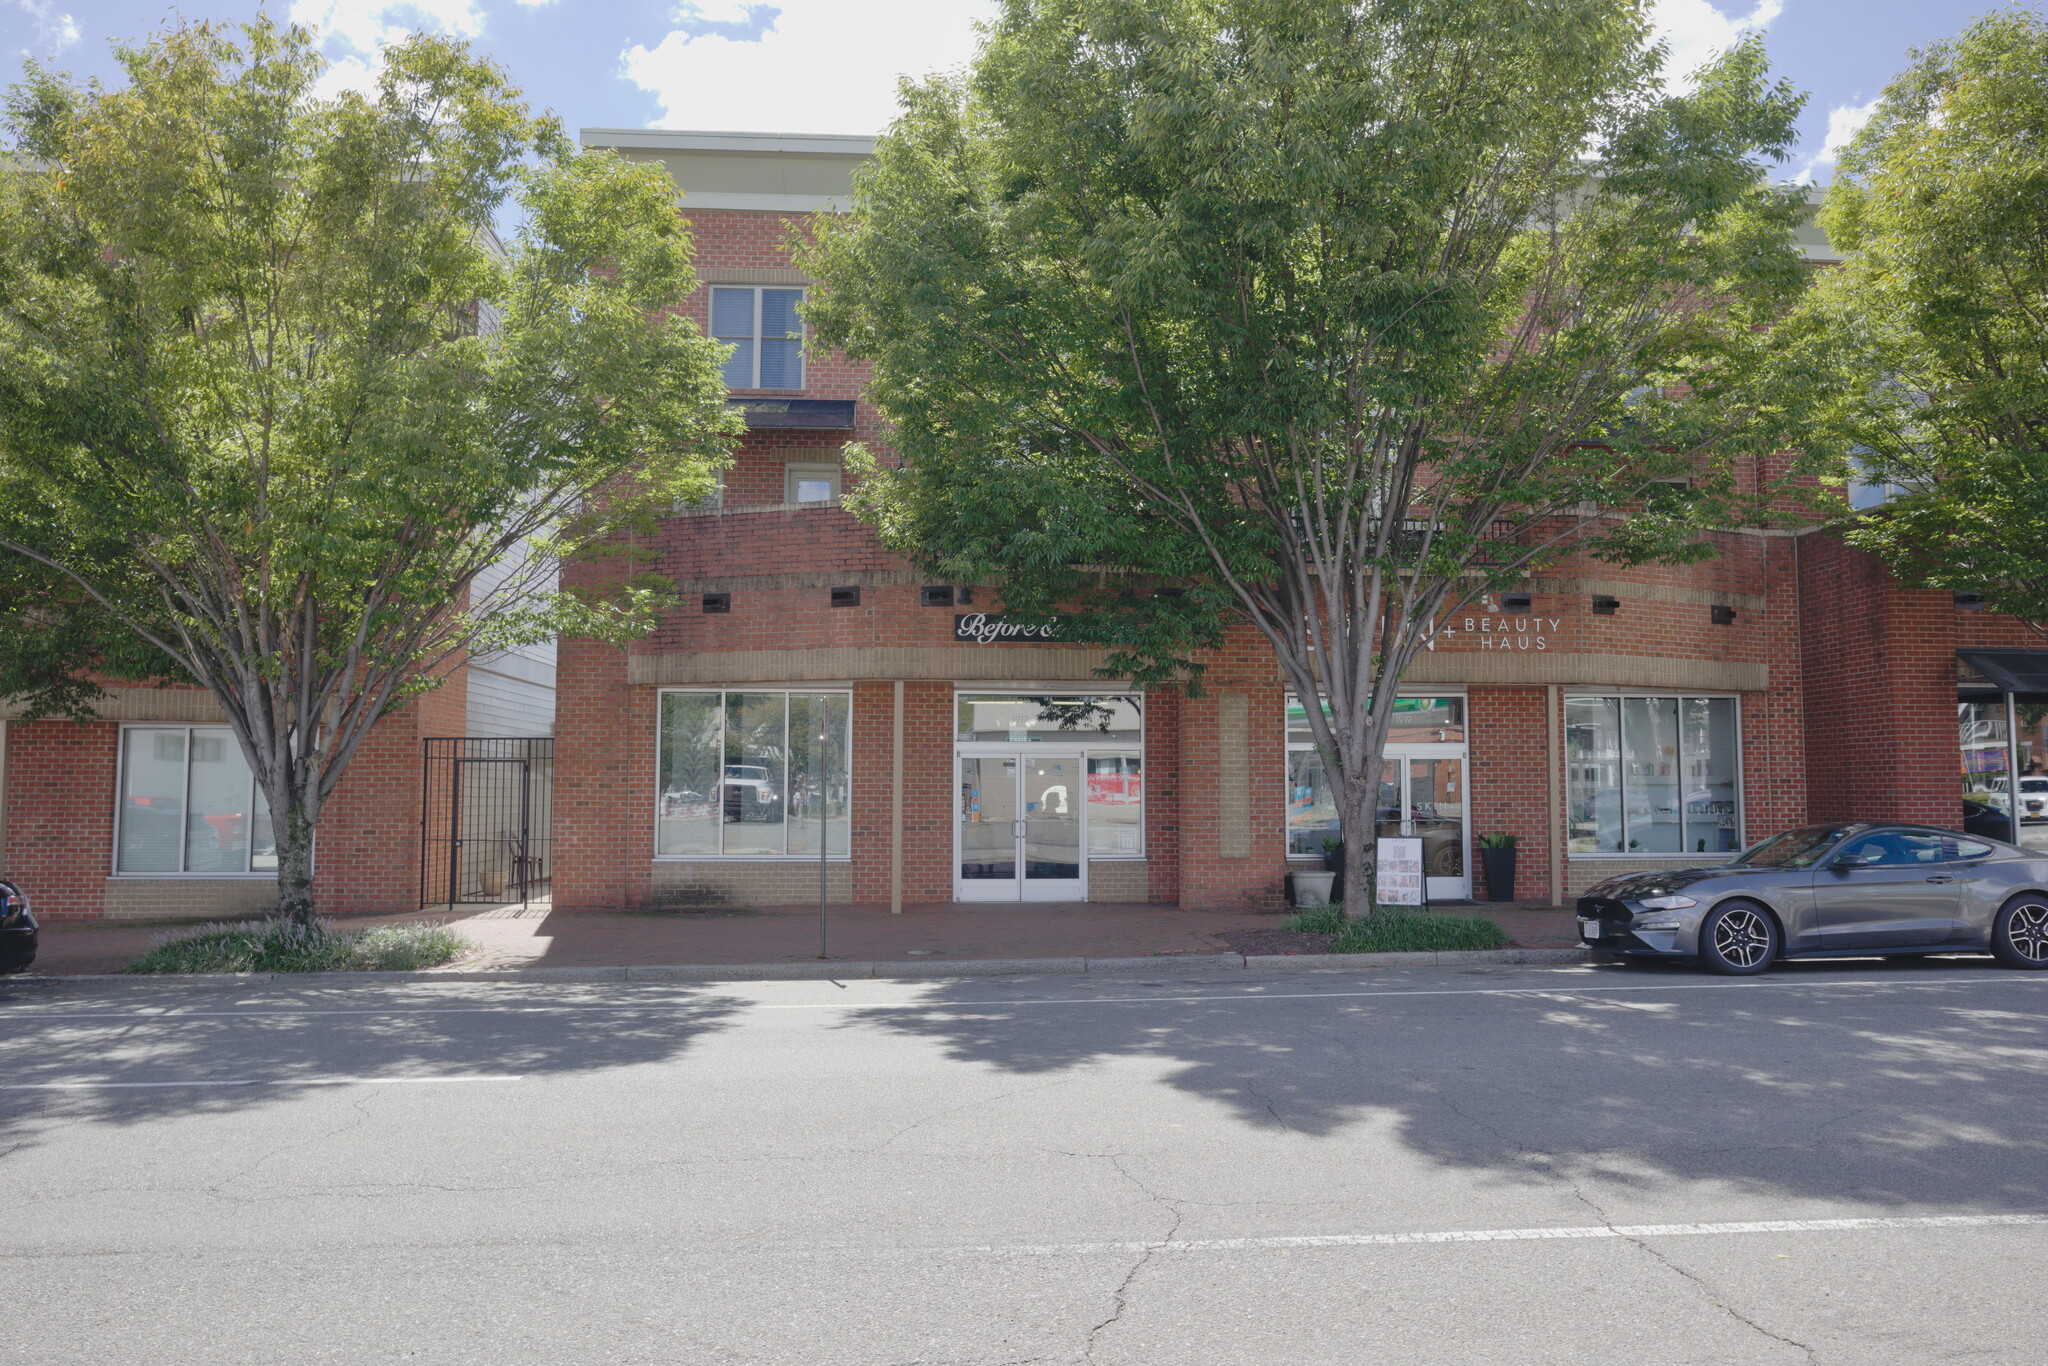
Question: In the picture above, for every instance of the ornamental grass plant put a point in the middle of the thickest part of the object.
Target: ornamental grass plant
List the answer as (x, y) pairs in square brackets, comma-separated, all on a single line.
[(287, 946), (1397, 929)]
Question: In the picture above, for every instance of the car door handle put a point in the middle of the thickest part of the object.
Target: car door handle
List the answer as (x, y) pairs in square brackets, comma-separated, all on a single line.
[(1942, 877)]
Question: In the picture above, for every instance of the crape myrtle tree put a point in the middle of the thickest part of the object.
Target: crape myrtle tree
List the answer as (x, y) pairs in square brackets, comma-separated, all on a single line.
[(272, 396), (1323, 317), (1936, 322)]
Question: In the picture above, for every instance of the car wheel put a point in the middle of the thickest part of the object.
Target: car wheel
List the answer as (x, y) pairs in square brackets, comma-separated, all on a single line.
[(1738, 939), (2019, 936)]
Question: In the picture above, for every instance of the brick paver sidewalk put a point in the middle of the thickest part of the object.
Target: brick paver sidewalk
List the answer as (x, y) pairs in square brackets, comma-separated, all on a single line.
[(511, 937)]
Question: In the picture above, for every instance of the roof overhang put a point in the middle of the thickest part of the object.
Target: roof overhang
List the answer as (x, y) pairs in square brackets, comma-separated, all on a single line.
[(2021, 672), (814, 414)]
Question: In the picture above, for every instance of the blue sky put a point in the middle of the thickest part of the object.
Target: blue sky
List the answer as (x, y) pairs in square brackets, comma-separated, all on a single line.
[(830, 66)]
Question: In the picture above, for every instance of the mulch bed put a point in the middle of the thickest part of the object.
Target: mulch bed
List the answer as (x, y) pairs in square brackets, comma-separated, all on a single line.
[(1262, 942)]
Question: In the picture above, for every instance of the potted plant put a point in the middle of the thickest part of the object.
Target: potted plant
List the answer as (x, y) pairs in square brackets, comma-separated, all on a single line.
[(1333, 862), (1497, 852)]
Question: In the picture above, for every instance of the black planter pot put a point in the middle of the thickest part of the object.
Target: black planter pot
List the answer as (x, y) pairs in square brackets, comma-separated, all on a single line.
[(1500, 873), (1333, 862)]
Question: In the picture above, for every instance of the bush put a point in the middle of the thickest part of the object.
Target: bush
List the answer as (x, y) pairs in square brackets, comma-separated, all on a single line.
[(1324, 919), (272, 946), (1397, 929), (1406, 930)]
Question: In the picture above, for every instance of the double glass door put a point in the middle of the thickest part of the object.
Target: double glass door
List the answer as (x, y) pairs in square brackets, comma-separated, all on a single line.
[(1422, 792), (1019, 827)]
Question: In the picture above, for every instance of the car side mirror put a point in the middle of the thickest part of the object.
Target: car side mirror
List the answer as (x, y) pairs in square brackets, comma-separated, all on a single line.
[(1842, 863)]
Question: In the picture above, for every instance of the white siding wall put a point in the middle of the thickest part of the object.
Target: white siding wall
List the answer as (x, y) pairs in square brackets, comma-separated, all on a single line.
[(511, 692)]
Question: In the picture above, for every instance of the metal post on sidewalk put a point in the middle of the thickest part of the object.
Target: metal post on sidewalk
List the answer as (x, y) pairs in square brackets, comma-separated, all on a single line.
[(824, 805)]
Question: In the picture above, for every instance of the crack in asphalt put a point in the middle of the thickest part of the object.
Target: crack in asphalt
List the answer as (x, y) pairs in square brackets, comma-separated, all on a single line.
[(963, 1106), (1548, 1164), (1120, 1298)]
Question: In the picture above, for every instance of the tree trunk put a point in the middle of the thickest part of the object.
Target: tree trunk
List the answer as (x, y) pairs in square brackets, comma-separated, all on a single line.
[(1357, 811), (294, 831)]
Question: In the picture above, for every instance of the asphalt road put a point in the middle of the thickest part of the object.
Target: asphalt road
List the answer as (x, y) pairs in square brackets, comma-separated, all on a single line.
[(1837, 1163)]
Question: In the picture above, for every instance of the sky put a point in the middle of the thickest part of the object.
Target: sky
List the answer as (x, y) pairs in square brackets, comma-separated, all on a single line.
[(831, 66)]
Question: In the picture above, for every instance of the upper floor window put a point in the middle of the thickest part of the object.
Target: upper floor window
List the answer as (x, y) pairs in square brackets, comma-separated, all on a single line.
[(767, 337)]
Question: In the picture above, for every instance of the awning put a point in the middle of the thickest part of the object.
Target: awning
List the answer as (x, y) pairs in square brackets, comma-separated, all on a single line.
[(2014, 671), (830, 414)]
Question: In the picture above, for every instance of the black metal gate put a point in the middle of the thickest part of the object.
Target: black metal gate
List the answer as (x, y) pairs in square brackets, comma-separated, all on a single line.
[(485, 814)]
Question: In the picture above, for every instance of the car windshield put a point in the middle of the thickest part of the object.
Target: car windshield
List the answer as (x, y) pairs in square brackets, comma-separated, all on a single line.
[(1793, 849)]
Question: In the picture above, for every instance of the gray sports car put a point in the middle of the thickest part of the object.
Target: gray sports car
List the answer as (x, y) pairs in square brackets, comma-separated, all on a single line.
[(1840, 890)]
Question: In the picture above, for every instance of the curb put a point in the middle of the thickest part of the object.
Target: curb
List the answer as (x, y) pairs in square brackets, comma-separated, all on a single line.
[(836, 972)]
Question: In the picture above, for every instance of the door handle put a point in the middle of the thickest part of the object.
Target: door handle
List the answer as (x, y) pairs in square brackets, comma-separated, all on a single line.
[(1942, 877)]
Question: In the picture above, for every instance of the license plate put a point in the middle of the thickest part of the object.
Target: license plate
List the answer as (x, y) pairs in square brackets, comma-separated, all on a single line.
[(1589, 929)]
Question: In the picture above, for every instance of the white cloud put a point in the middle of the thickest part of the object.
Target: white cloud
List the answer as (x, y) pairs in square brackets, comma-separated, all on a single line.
[(354, 32), (1695, 31), (55, 30), (1845, 121), (820, 66)]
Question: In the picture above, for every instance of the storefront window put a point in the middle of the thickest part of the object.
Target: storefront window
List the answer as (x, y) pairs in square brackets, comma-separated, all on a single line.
[(1651, 775), (753, 774), (1417, 721), (189, 804), (1434, 800), (1116, 805), (1019, 718)]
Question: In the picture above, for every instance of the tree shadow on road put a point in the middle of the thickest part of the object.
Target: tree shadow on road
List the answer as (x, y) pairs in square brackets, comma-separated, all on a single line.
[(1806, 1085), (289, 1038)]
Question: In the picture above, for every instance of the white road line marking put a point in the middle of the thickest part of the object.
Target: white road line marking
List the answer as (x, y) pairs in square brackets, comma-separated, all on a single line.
[(946, 1007), (1526, 1235), (252, 1081)]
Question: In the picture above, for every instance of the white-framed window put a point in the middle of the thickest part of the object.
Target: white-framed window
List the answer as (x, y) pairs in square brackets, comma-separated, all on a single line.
[(1108, 729), (189, 804), (753, 773), (810, 483), (1311, 797), (1652, 774), (761, 325)]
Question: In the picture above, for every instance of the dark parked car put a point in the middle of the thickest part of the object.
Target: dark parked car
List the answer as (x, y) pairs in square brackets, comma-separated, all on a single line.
[(1836, 890), (1981, 817), (17, 929)]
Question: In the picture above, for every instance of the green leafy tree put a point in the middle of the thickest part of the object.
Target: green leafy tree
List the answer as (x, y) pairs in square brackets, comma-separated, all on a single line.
[(1321, 317), (1936, 323), (272, 397)]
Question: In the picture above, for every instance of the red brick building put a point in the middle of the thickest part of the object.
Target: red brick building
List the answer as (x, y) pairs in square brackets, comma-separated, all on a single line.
[(1612, 720), (814, 687)]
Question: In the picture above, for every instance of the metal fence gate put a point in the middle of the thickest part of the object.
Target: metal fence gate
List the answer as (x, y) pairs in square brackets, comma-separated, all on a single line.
[(486, 810)]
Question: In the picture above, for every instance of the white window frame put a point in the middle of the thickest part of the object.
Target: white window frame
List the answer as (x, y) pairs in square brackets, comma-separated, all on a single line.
[(121, 795), (1742, 840), (803, 359), (785, 692), (1087, 751), (797, 470)]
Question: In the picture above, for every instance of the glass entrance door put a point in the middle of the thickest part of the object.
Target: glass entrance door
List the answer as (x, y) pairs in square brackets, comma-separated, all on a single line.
[(1422, 792), (1019, 823)]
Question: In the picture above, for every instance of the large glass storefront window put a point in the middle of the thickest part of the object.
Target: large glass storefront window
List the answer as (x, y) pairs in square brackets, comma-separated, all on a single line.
[(1992, 759), (1652, 775), (1432, 797), (753, 774), (189, 804)]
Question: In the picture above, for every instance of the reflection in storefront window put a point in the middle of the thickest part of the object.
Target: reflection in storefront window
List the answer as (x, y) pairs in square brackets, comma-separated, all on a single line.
[(1022, 718), (1989, 763), (754, 773), (1651, 775), (1434, 807), (1116, 805)]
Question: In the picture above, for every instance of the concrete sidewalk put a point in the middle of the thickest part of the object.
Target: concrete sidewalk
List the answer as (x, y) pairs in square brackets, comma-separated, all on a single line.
[(512, 938)]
